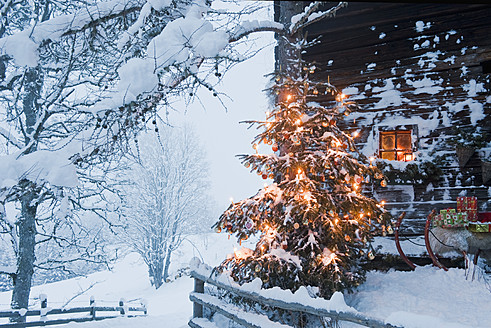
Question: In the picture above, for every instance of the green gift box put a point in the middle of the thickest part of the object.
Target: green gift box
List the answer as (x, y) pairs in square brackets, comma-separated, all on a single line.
[(480, 226), (437, 221), (460, 219), (448, 220), (451, 219)]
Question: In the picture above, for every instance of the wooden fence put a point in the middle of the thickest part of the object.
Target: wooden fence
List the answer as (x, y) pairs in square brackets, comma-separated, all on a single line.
[(18, 318), (255, 320)]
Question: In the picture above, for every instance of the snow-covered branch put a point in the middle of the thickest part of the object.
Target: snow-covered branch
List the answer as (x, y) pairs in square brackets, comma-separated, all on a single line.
[(52, 30), (7, 270), (78, 83), (310, 15), (10, 138), (249, 27), (167, 200)]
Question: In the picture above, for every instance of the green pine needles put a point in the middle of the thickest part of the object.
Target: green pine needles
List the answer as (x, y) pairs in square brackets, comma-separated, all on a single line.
[(316, 218)]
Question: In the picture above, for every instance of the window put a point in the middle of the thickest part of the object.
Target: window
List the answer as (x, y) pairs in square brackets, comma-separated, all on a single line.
[(396, 145)]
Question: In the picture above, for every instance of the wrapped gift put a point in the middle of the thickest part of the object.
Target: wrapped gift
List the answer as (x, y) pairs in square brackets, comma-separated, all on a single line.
[(461, 203), (450, 218), (448, 222), (479, 226), (447, 214), (484, 217), (472, 215), (446, 217), (472, 204), (466, 203), (460, 219), (469, 205), (437, 221)]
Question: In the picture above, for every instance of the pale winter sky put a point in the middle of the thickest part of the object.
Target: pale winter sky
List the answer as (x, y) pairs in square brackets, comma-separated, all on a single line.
[(219, 129)]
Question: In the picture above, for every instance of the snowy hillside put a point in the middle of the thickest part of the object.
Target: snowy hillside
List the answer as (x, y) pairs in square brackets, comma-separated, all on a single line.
[(427, 297)]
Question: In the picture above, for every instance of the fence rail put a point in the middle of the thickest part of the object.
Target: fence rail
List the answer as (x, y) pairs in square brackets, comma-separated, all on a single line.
[(18, 318), (201, 300)]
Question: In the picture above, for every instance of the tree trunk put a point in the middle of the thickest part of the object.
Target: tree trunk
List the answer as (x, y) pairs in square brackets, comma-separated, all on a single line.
[(27, 241), (155, 271), (167, 263), (156, 263), (26, 224), (287, 56), (170, 247)]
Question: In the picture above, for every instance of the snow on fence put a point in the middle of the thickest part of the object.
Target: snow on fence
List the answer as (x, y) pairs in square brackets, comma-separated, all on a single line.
[(18, 318), (300, 303)]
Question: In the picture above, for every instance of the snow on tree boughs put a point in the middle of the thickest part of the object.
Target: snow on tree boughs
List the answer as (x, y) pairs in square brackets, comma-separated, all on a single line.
[(316, 220)]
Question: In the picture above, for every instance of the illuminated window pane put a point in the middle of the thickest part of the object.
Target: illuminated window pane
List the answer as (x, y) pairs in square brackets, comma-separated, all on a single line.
[(388, 155), (396, 145), (388, 141), (404, 141)]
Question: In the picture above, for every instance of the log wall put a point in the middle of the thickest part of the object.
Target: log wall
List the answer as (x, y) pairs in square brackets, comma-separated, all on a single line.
[(426, 66)]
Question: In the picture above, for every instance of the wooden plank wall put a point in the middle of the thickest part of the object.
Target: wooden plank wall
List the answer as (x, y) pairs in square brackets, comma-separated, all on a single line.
[(431, 76)]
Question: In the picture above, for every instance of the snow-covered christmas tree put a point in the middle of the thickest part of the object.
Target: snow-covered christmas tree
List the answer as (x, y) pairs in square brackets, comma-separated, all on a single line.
[(317, 219)]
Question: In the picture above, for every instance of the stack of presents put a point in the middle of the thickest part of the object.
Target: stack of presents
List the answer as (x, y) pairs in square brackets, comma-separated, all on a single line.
[(465, 216)]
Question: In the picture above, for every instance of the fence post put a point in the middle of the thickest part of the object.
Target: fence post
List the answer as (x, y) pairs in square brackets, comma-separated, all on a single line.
[(121, 303), (92, 307), (44, 306), (144, 304), (199, 287)]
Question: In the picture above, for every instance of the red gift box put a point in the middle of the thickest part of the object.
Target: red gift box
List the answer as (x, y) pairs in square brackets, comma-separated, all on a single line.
[(469, 205), (484, 217), (466, 203)]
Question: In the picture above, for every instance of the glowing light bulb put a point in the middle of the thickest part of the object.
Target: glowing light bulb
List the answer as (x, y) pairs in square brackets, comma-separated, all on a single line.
[(232, 200), (356, 134), (340, 97), (289, 97), (298, 122), (382, 203)]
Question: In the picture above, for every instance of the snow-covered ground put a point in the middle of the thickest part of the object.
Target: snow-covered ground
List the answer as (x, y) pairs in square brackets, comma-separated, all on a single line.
[(427, 297)]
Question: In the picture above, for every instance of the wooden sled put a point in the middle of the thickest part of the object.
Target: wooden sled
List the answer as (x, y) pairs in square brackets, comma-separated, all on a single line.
[(431, 254)]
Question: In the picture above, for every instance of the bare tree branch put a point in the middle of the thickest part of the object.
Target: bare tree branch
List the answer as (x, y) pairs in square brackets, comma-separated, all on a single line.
[(79, 293)]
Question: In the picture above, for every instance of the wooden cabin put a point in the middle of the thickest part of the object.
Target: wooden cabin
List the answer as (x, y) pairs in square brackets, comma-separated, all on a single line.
[(421, 75)]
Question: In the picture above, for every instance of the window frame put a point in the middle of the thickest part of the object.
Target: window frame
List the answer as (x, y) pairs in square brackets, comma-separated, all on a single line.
[(407, 153)]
